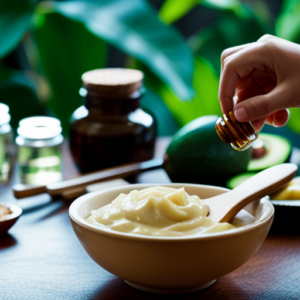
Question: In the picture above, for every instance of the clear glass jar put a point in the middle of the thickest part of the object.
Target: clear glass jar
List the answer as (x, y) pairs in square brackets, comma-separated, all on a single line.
[(39, 150), (6, 144)]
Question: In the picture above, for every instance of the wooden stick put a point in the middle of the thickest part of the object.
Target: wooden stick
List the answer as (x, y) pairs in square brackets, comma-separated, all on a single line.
[(58, 188), (24, 190), (64, 188)]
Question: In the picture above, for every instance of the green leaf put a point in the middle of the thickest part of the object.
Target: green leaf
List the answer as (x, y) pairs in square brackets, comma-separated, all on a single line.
[(166, 124), (228, 31), (22, 101), (256, 9), (288, 23), (293, 122), (17, 76), (288, 27), (133, 26), (173, 10), (221, 4), (209, 43), (205, 102), (15, 17), (19, 93), (66, 50)]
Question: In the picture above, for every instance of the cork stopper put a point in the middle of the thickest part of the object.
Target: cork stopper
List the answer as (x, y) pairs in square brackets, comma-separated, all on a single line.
[(112, 82)]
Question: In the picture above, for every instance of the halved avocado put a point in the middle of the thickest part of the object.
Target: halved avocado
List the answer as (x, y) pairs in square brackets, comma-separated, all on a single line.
[(235, 181), (272, 150), (278, 151)]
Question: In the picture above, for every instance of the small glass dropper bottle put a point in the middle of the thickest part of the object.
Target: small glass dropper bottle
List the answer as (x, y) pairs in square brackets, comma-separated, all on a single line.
[(239, 135), (39, 150)]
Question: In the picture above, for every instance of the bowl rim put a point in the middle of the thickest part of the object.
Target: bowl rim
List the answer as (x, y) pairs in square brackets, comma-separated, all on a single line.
[(16, 211), (74, 216)]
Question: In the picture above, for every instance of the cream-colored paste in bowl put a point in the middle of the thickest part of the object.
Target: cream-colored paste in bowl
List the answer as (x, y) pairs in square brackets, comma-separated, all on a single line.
[(161, 211)]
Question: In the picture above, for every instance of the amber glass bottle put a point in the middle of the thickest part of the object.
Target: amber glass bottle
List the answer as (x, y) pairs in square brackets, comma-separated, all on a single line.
[(239, 135), (110, 129)]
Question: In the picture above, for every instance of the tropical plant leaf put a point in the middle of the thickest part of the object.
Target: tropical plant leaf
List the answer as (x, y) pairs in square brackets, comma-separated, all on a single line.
[(255, 9), (22, 101), (293, 122), (166, 123), (288, 23), (134, 27), (233, 6), (209, 43), (17, 76), (205, 101), (173, 10), (15, 17), (19, 93), (67, 50), (228, 31), (287, 26), (221, 4)]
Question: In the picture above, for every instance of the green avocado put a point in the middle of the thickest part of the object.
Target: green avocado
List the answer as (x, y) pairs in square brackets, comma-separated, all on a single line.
[(278, 151), (238, 179), (196, 154)]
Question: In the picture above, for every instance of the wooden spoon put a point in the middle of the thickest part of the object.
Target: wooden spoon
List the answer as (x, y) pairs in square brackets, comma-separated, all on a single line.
[(224, 207)]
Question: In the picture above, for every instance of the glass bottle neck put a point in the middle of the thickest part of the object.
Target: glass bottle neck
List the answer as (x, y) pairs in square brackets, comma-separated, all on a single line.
[(112, 106)]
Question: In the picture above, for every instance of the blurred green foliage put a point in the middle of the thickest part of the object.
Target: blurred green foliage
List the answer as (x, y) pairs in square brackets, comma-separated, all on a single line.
[(61, 65), (54, 42)]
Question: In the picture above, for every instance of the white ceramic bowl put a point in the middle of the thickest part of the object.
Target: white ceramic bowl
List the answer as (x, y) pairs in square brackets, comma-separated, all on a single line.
[(169, 264)]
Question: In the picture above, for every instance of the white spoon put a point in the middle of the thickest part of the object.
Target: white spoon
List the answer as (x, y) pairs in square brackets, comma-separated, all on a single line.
[(224, 207)]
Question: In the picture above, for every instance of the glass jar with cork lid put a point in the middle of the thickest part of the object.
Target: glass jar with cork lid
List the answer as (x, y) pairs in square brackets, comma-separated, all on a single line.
[(111, 129)]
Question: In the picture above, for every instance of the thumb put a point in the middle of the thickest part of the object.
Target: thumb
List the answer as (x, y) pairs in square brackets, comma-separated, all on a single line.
[(261, 106)]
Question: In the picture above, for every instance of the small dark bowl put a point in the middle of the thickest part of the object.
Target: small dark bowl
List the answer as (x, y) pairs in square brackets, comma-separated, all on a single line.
[(10, 219)]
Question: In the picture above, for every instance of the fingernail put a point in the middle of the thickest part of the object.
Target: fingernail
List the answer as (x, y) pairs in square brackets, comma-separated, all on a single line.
[(240, 114)]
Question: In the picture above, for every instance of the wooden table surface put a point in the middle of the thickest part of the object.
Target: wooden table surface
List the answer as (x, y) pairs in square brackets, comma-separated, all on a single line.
[(41, 257)]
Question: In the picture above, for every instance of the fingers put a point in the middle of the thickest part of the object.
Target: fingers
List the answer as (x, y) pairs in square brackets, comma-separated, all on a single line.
[(259, 124), (230, 51), (255, 74), (262, 106), (279, 118), (247, 88), (237, 66), (266, 79), (227, 103)]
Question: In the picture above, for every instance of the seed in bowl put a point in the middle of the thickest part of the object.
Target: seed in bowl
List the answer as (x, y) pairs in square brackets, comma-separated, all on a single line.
[(160, 211)]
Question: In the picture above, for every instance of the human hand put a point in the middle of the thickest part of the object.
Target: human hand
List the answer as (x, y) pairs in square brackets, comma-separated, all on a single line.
[(265, 77)]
